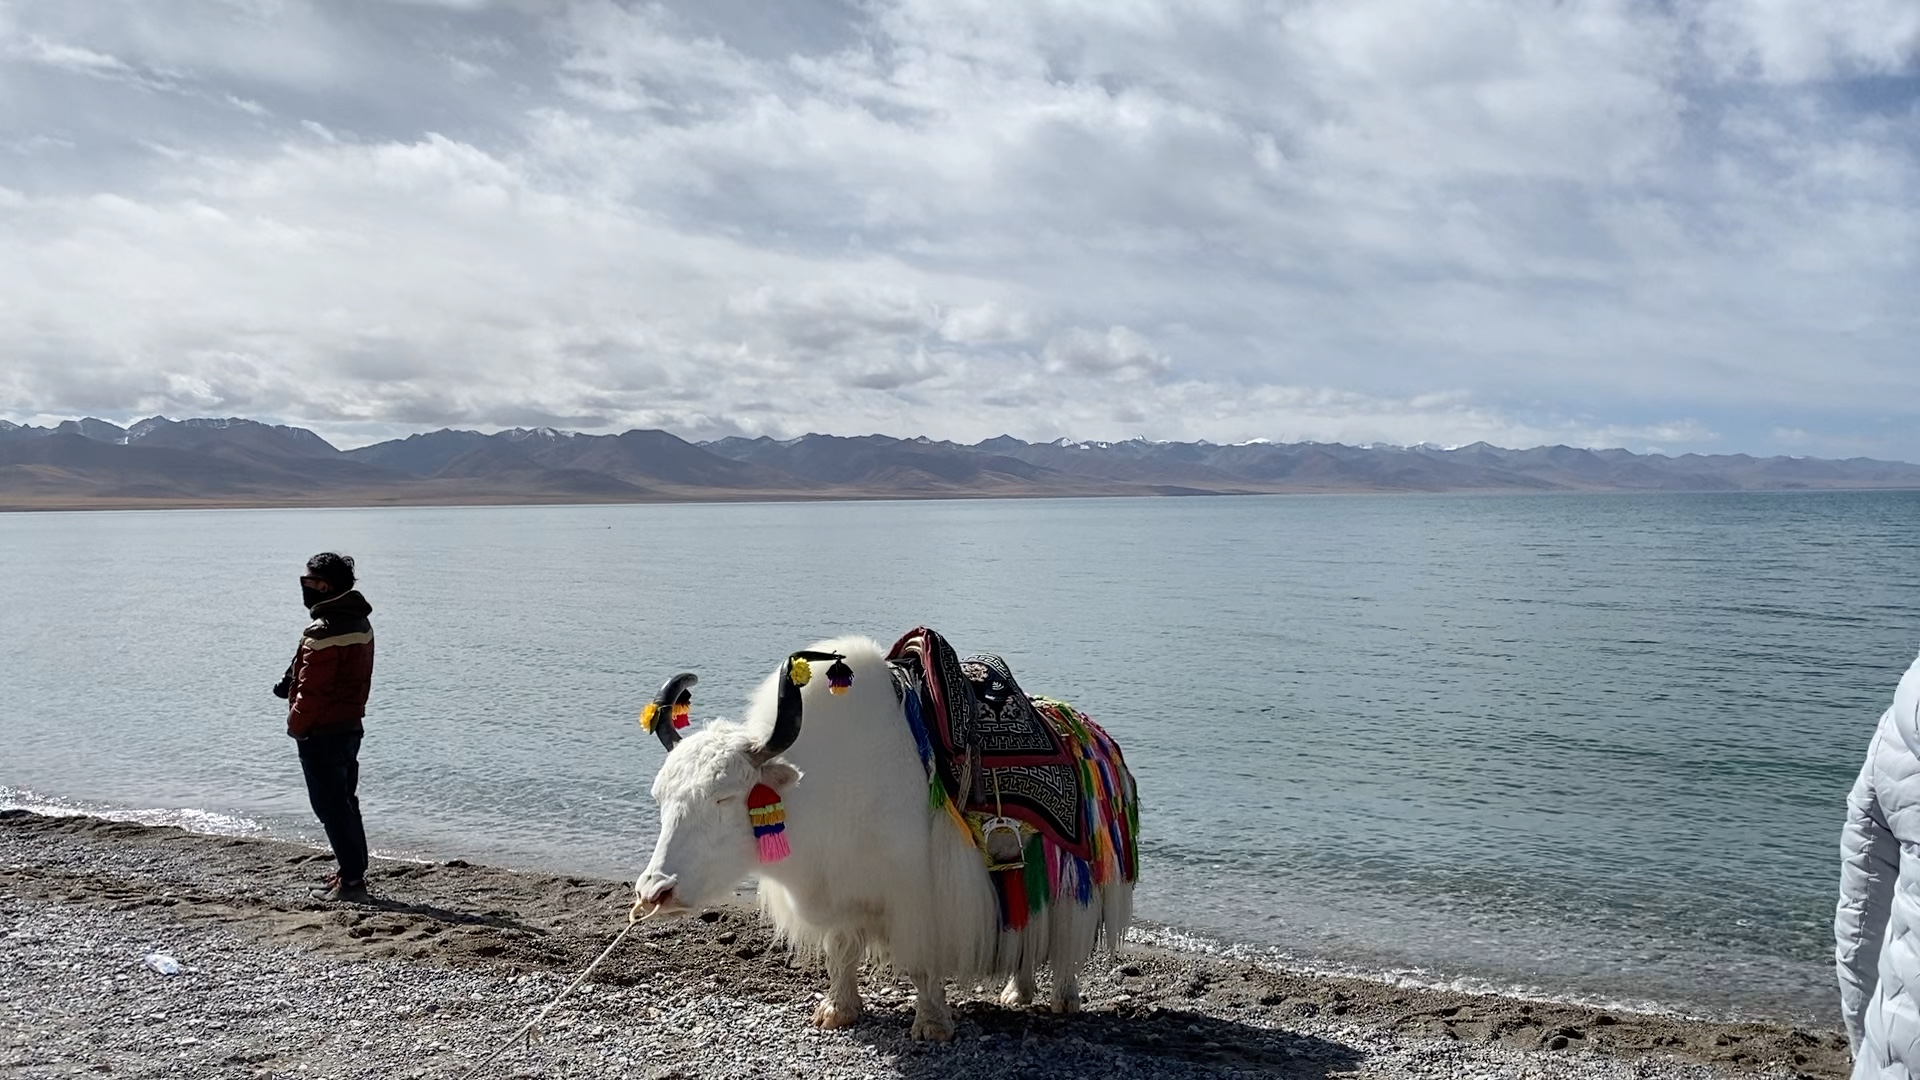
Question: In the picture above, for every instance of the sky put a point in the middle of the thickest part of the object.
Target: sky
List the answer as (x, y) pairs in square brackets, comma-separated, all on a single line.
[(1667, 226)]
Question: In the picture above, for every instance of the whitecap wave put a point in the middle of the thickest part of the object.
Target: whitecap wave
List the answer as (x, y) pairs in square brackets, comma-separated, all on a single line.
[(192, 819)]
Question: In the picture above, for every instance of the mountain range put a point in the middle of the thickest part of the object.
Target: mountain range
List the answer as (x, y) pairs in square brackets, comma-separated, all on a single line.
[(92, 463)]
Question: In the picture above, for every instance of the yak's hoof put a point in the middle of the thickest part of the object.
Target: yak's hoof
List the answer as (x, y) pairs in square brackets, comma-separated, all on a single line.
[(933, 1028), (1017, 995), (1067, 1003), (831, 1015)]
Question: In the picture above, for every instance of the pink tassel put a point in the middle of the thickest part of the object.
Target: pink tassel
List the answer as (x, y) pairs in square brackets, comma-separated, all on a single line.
[(773, 847)]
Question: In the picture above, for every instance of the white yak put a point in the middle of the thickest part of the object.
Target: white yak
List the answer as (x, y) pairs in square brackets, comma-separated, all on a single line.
[(869, 868)]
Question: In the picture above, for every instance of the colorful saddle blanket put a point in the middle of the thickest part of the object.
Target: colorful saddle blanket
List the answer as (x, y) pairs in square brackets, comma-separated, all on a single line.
[(991, 751)]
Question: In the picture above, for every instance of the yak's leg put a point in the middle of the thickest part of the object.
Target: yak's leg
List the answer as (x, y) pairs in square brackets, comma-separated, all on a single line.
[(1066, 991), (841, 1008), (1020, 988), (1074, 929), (1016, 950), (931, 1017)]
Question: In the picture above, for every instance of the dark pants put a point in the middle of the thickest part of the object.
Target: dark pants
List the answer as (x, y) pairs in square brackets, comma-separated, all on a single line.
[(332, 765)]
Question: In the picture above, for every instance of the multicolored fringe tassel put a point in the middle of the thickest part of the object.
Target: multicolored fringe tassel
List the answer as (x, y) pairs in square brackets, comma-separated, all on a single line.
[(1110, 805), (1051, 874), (769, 817)]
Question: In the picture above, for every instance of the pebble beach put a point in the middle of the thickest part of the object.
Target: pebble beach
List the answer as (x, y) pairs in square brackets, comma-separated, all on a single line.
[(449, 959)]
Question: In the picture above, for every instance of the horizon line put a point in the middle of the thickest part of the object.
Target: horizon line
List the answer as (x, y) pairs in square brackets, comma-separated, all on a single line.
[(1376, 444)]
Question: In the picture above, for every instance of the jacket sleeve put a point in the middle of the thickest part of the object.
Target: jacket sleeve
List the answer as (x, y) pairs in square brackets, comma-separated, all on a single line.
[(313, 678), (1869, 865), (284, 688)]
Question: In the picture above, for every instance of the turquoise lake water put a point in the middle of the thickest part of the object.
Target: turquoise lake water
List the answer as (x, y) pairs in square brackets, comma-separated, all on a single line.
[(1595, 747)]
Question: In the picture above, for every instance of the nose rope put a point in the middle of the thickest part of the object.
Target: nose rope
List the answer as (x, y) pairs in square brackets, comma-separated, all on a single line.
[(635, 916)]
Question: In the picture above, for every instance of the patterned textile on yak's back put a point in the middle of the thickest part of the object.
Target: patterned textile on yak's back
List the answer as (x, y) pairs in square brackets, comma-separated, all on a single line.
[(977, 704), (1110, 809), (988, 750)]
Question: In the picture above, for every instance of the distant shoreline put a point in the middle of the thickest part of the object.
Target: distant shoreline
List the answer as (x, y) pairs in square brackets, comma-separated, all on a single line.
[(208, 462), (336, 501)]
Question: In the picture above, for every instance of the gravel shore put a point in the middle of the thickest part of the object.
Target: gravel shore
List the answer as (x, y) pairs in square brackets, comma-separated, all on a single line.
[(449, 959)]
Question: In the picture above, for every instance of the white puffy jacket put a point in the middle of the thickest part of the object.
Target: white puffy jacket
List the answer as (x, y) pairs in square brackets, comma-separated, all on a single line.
[(1877, 926)]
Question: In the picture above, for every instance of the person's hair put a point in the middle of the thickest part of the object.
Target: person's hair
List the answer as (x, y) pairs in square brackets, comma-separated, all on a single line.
[(334, 569)]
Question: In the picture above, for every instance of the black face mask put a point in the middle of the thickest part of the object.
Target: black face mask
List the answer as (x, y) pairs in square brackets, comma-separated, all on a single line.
[(311, 596)]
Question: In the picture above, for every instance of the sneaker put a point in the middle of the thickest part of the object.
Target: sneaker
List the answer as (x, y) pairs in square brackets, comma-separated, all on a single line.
[(335, 889)]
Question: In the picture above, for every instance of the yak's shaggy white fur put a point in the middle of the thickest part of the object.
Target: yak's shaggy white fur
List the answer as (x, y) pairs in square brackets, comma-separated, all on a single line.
[(874, 872)]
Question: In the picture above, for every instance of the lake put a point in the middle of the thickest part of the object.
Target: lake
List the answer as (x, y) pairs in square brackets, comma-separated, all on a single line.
[(1584, 746)]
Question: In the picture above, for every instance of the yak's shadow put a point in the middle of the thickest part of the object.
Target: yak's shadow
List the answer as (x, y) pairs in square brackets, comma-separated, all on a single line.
[(993, 1041)]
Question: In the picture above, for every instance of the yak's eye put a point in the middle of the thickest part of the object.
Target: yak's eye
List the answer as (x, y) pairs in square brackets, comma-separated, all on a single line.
[(724, 800)]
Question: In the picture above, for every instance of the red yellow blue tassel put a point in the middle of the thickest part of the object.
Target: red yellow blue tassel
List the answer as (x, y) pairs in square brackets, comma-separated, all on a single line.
[(678, 715), (769, 816)]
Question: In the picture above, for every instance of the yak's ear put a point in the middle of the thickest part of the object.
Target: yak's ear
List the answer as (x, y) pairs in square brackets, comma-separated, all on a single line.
[(779, 775)]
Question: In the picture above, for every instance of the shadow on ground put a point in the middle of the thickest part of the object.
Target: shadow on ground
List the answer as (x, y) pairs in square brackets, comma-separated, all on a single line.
[(993, 1041)]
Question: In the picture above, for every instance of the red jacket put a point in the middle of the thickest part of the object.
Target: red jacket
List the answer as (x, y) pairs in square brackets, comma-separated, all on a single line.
[(332, 670)]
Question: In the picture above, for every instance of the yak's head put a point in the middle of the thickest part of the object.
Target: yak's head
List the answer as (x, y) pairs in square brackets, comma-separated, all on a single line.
[(718, 791)]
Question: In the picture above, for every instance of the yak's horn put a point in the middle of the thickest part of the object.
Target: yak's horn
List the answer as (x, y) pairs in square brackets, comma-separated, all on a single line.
[(794, 674), (666, 714)]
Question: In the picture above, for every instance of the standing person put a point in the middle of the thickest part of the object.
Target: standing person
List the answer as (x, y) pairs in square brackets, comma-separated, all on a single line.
[(326, 690), (1877, 926)]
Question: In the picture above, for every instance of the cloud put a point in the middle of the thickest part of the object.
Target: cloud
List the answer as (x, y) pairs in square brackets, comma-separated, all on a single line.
[(38, 50), (822, 318), (251, 108), (1784, 41), (987, 323), (1120, 352), (626, 59), (1683, 226)]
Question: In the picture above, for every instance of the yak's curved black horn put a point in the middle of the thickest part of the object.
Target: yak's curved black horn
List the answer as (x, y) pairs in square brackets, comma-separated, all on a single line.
[(794, 674), (666, 714)]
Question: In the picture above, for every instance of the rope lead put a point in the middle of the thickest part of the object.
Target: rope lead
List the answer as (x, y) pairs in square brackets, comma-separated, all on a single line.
[(634, 918)]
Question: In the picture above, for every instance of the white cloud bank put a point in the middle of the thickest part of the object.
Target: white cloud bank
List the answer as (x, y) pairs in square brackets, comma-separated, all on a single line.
[(1606, 223)]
